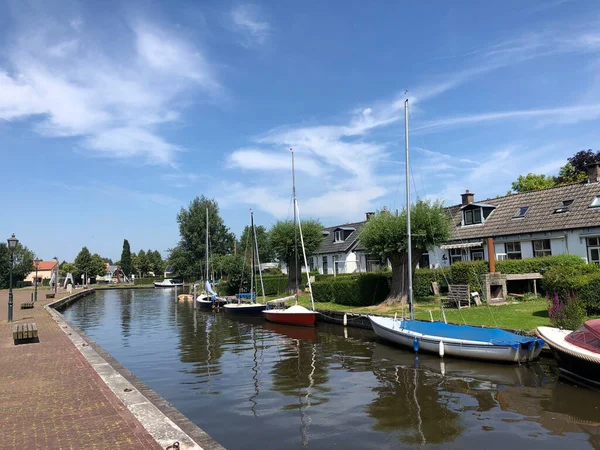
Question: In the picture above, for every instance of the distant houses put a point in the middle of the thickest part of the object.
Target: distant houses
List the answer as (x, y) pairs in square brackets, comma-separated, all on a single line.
[(553, 221)]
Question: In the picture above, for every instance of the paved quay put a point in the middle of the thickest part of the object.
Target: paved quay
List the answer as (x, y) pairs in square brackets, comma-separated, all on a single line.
[(53, 398)]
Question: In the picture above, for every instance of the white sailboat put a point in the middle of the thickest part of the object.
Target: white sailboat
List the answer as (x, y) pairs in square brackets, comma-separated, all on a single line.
[(251, 308), (492, 344), (208, 299), (296, 314)]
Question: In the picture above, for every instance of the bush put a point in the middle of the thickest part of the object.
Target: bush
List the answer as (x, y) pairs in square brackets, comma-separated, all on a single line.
[(424, 277), (146, 280), (567, 313), (582, 281), (539, 265), (354, 290), (22, 284), (468, 273)]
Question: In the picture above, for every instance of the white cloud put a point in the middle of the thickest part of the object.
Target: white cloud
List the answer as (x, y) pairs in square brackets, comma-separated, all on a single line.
[(114, 101), (256, 159), (246, 20)]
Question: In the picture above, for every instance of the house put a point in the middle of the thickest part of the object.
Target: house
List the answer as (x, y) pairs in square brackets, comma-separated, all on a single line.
[(341, 251), (553, 221), (44, 272)]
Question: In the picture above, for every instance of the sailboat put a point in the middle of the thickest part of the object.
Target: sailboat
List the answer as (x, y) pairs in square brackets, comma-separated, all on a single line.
[(205, 300), (251, 308), (491, 344), (296, 314)]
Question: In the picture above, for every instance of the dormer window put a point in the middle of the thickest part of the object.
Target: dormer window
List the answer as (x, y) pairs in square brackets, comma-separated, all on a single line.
[(473, 216), (339, 236), (564, 207), (342, 233), (521, 212)]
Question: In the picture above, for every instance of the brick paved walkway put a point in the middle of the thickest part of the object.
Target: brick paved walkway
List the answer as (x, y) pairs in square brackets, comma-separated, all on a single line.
[(50, 397)]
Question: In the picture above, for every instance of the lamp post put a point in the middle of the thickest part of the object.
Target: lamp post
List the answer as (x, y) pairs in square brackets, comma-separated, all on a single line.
[(37, 262), (12, 245)]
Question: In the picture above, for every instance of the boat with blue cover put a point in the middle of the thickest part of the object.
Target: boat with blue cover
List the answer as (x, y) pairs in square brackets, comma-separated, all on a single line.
[(464, 341), (490, 344)]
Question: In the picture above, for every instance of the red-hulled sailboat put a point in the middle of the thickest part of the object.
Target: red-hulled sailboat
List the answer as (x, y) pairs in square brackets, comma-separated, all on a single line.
[(297, 314)]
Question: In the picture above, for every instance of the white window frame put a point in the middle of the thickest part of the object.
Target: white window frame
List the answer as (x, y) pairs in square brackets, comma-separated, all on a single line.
[(325, 266), (521, 212), (339, 236), (471, 212), (541, 252), (595, 202), (455, 253), (593, 244)]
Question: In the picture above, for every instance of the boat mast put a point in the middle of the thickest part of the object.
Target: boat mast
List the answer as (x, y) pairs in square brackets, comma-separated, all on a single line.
[(295, 231), (206, 279), (252, 274), (312, 300), (408, 231), (262, 286)]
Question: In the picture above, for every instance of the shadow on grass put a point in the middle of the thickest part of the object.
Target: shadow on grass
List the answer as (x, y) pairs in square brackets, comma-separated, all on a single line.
[(541, 313)]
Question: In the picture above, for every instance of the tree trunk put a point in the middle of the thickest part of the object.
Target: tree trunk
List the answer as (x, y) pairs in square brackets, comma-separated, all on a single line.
[(399, 289), (293, 268)]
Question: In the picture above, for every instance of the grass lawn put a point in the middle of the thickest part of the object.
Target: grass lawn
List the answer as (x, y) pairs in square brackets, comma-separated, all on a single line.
[(518, 316)]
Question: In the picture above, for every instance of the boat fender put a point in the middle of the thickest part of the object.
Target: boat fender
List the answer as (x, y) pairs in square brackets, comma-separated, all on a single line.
[(345, 320), (441, 349), (416, 345), (443, 368), (345, 333)]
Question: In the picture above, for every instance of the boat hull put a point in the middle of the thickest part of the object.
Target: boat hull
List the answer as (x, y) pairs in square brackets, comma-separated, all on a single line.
[(205, 302), (307, 319), (246, 309), (162, 286), (469, 350)]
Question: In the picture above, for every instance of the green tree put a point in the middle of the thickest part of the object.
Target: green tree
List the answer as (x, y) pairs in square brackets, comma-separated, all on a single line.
[(158, 265), (567, 174), (385, 235), (126, 264), (281, 237), (262, 238), (67, 267), (23, 264), (532, 182), (188, 258), (98, 265), (144, 265), (83, 261)]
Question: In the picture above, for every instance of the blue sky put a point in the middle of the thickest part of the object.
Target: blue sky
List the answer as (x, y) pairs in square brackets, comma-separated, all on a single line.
[(113, 116)]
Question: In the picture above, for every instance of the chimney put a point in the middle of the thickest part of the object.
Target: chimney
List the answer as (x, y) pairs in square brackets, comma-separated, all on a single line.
[(593, 172), (369, 215), (467, 197)]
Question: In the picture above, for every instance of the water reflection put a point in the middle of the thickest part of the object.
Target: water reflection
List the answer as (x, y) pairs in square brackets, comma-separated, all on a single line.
[(287, 387)]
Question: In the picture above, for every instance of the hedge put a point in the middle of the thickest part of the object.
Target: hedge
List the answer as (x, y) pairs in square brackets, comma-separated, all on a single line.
[(539, 265), (580, 281), (468, 272), (146, 280), (356, 290), (424, 277)]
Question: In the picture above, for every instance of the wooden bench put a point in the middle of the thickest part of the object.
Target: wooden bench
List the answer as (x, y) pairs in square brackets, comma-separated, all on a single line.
[(27, 305), (459, 296), (50, 295), (25, 331)]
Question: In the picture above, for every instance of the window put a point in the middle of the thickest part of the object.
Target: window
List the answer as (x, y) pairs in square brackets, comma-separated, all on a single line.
[(456, 255), (542, 248), (513, 250), (424, 261), (311, 263), (336, 268), (521, 212), (477, 254), (564, 207), (593, 250), (325, 265), (596, 202), (339, 236), (472, 216)]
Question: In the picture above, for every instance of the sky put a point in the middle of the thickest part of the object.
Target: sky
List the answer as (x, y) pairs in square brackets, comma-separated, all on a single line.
[(115, 115)]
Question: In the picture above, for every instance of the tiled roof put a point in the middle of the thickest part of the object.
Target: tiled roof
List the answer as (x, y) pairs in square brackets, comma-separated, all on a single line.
[(46, 265), (329, 246), (539, 217)]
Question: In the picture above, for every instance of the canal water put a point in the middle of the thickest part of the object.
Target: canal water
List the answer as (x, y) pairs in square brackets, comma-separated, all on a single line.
[(255, 385)]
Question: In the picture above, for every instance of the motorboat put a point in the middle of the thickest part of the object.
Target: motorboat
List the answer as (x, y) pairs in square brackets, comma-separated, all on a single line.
[(168, 283), (577, 352)]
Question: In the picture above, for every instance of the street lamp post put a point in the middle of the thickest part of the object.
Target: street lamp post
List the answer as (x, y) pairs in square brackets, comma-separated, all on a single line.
[(12, 245), (37, 262)]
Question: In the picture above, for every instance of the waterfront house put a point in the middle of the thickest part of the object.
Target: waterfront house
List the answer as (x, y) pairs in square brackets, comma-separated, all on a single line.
[(553, 221), (44, 272)]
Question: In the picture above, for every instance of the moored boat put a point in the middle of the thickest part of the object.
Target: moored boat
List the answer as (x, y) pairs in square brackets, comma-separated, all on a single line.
[(463, 341), (577, 352), (294, 315), (168, 283)]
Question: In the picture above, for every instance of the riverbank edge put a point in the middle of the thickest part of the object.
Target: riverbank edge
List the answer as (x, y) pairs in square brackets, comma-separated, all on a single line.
[(160, 418)]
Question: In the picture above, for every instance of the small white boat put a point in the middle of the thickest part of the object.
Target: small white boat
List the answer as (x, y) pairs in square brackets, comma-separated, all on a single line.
[(168, 283)]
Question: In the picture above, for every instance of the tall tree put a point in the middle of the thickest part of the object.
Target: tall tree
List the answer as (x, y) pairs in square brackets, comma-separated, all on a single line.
[(83, 261), (144, 262), (126, 264), (582, 158), (67, 267), (281, 237), (188, 257), (385, 235), (23, 264), (98, 265), (262, 238), (158, 265), (532, 182)]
